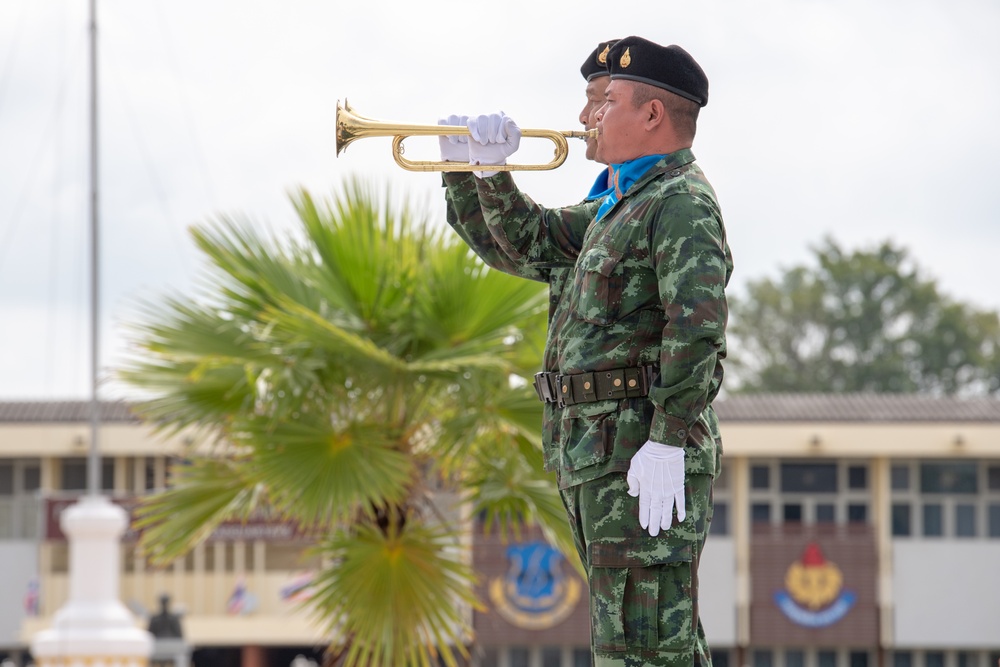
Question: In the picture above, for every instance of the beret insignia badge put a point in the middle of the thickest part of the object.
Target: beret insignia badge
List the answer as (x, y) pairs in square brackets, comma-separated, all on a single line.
[(603, 57), (625, 60)]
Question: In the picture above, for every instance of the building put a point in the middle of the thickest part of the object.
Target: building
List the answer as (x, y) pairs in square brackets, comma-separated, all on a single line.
[(237, 591), (849, 531)]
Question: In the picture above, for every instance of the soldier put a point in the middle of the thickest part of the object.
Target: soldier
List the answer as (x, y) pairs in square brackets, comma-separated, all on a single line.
[(165, 624), (639, 346), (466, 217)]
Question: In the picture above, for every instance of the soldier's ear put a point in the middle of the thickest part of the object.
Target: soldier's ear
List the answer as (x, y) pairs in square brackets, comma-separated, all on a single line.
[(656, 113)]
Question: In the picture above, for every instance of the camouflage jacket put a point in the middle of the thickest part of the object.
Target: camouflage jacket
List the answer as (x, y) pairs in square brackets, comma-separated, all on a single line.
[(465, 216), (648, 288)]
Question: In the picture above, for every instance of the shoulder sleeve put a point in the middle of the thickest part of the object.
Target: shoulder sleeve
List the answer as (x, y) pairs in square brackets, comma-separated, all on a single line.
[(693, 264), (528, 232), (465, 216)]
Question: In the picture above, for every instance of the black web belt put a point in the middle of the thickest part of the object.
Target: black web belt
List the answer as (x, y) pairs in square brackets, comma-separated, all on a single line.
[(612, 384)]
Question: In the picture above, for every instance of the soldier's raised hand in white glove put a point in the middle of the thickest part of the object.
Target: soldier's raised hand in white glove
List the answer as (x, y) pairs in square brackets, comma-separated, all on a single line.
[(454, 147), (493, 138), (656, 475)]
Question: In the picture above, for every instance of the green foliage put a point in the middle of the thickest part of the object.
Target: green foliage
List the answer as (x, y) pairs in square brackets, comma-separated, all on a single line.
[(342, 374), (866, 321)]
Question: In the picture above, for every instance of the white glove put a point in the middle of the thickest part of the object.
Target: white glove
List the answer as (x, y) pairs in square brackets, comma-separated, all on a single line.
[(494, 138), (454, 147), (656, 475)]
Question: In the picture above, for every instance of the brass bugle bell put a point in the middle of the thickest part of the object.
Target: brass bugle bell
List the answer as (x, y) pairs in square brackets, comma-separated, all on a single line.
[(352, 126)]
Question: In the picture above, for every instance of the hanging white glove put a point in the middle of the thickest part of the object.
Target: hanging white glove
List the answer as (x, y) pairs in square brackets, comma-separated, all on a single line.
[(454, 147), (493, 138), (656, 475)]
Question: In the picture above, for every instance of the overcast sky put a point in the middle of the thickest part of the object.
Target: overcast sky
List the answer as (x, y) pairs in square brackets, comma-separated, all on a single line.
[(864, 120)]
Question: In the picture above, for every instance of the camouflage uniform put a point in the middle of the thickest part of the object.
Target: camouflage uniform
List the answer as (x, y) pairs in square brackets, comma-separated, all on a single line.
[(465, 216), (648, 288)]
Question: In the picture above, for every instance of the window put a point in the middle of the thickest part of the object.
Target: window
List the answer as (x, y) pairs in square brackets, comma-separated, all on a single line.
[(955, 477), (760, 477), (934, 659), (993, 478), (6, 479), (857, 513), (859, 659), (901, 518), (760, 513), (967, 659), (551, 656), (722, 479), (20, 507), (994, 530), (149, 468), (74, 474), (933, 520), (720, 658), (952, 499), (519, 656), (826, 513), (965, 520), (823, 492), (763, 658), (792, 513), (581, 657), (32, 477), (808, 477), (900, 478), (827, 659), (720, 520), (857, 477), (491, 658), (902, 659), (795, 658)]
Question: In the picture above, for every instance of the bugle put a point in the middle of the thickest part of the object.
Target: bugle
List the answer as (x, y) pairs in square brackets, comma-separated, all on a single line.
[(352, 126)]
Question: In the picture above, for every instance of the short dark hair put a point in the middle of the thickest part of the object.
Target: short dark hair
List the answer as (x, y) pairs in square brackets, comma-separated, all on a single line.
[(683, 113)]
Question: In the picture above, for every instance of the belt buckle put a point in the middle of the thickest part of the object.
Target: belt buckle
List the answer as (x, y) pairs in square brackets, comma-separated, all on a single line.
[(538, 382), (560, 401)]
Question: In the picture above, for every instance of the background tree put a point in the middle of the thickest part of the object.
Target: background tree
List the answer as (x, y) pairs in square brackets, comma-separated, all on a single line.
[(865, 321), (344, 374)]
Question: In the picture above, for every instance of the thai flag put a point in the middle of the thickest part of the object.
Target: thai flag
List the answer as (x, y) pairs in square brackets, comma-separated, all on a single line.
[(31, 598), (238, 600), (298, 589)]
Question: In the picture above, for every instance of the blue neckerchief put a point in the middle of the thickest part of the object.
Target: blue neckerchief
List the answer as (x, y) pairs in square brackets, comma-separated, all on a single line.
[(623, 176), (600, 188)]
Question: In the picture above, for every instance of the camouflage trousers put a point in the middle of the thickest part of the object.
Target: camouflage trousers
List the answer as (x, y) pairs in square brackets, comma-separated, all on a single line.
[(643, 589)]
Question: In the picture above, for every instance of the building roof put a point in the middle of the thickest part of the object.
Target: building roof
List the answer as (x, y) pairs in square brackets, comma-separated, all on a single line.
[(748, 408), (66, 412), (856, 408)]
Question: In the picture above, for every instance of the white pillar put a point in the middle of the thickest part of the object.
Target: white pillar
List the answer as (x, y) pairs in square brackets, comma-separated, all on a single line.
[(93, 628)]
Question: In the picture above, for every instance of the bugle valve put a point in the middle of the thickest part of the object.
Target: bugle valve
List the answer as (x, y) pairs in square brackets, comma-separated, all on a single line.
[(352, 126)]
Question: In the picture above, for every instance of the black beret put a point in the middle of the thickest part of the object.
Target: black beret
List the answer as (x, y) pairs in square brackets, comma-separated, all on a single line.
[(668, 67), (596, 63)]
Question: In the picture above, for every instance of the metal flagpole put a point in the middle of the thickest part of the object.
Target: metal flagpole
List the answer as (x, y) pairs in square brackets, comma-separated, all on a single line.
[(93, 457), (93, 627)]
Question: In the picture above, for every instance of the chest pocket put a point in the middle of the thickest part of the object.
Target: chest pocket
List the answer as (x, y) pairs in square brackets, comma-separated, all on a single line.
[(602, 278)]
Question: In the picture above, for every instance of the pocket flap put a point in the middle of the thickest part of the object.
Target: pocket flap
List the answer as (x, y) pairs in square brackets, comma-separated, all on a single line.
[(600, 260), (624, 553)]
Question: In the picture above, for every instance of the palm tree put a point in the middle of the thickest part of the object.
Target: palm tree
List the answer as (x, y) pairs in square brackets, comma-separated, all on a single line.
[(343, 373)]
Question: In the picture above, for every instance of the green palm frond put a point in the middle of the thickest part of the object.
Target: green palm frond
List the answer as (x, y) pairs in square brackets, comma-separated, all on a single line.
[(509, 493), (205, 492), (473, 310), (398, 594), (251, 271), (353, 366), (368, 252), (320, 473)]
